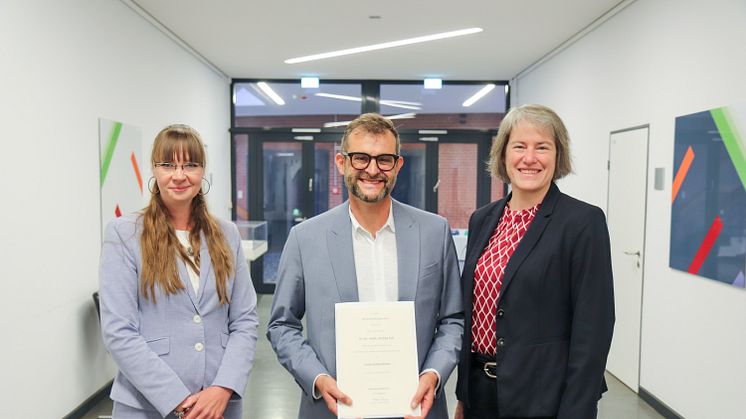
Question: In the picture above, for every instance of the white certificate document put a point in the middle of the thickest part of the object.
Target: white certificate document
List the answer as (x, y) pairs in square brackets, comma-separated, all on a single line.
[(377, 359)]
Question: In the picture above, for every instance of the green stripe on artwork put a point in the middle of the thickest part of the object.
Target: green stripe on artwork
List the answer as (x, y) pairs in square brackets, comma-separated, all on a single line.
[(732, 140), (109, 153)]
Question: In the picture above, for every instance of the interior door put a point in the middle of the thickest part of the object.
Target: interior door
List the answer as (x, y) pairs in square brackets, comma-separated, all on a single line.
[(628, 162)]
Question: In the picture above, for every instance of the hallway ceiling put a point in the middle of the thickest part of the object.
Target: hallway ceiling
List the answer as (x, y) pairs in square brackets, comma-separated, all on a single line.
[(251, 39)]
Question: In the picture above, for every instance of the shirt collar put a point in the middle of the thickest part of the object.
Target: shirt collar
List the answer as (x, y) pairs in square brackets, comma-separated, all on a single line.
[(389, 221)]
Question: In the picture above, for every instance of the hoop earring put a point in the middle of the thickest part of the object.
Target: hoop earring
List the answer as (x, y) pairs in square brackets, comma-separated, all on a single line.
[(154, 184), (202, 190)]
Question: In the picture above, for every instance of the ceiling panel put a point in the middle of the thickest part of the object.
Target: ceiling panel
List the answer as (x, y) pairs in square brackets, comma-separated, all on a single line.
[(251, 39)]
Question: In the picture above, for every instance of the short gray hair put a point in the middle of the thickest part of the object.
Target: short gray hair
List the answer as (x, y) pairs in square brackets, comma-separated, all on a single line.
[(540, 116)]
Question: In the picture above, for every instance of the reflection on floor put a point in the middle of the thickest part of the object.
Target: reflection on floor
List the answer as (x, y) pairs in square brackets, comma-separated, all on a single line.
[(273, 394)]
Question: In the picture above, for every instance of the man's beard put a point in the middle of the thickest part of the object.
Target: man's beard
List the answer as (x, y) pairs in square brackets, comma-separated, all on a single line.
[(354, 189)]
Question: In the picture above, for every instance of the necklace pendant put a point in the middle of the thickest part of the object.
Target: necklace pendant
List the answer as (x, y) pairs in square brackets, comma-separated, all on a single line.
[(190, 251)]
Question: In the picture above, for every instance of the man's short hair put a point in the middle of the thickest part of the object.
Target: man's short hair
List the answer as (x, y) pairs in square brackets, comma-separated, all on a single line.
[(372, 123)]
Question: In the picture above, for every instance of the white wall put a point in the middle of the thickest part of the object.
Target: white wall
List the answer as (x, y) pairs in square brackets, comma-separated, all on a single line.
[(652, 62), (65, 64)]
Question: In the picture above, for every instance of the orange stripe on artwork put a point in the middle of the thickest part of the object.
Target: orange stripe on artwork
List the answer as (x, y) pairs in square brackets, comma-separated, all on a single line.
[(137, 171), (681, 174)]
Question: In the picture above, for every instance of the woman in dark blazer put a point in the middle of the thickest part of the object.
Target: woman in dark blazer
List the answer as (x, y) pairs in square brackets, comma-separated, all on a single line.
[(537, 285)]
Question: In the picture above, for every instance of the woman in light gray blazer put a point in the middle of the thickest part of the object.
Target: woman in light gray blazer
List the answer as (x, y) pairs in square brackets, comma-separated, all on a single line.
[(178, 310)]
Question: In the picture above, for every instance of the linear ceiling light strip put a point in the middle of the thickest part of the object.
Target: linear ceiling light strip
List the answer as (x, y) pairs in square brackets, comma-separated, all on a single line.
[(384, 45)]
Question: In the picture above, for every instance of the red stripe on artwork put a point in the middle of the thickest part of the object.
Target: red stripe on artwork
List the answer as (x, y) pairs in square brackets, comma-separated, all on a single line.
[(706, 246)]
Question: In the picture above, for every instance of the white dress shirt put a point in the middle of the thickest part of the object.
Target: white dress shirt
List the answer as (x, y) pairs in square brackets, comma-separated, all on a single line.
[(375, 261)]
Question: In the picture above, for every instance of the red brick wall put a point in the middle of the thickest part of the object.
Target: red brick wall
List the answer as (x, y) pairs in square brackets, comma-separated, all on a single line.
[(457, 191)]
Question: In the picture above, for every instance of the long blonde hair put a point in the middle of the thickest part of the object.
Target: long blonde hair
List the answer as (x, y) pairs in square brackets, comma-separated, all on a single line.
[(158, 241)]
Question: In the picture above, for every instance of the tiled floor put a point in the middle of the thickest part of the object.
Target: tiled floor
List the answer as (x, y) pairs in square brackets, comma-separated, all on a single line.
[(272, 393)]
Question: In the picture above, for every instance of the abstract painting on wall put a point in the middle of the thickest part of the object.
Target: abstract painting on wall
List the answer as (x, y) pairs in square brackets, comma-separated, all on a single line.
[(121, 182), (708, 197)]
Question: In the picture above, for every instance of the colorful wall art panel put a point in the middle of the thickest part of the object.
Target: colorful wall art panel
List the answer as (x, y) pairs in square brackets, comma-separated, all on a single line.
[(121, 179), (708, 197)]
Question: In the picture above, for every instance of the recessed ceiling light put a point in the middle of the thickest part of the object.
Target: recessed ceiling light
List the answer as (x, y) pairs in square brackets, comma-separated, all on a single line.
[(384, 45), (483, 91), (433, 131), (301, 130), (304, 137), (271, 93)]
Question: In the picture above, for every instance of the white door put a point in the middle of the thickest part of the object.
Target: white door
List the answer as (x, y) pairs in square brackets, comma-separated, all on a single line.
[(628, 162)]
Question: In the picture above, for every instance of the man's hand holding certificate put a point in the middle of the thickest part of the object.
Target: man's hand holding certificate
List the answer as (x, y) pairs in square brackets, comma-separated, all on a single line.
[(377, 361)]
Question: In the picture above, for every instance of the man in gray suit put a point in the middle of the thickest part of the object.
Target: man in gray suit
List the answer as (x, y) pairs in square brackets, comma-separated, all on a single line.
[(371, 248)]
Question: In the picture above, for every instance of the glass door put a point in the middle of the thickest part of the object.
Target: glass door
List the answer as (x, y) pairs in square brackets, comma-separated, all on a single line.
[(284, 201), (291, 180)]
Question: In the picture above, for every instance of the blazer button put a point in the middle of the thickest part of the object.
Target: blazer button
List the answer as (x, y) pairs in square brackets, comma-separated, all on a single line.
[(199, 347), (501, 342), (500, 313), (197, 319)]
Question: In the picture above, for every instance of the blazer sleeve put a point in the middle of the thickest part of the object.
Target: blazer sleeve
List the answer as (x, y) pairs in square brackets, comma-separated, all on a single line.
[(119, 284), (592, 296), (285, 330), (238, 358), (444, 350)]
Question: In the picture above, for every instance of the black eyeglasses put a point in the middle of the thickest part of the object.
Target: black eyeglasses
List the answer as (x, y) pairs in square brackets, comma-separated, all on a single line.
[(361, 161)]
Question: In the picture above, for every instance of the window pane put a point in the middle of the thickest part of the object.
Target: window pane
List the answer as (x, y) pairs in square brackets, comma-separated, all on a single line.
[(303, 108), (283, 183), (418, 107), (457, 177), (410, 183), (329, 187), (497, 189), (241, 182)]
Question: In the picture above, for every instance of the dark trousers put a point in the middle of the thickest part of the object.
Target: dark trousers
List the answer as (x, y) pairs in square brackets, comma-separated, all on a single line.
[(483, 393)]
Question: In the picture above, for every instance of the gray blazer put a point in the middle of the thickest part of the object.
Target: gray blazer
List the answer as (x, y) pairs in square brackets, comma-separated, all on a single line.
[(182, 343), (317, 270)]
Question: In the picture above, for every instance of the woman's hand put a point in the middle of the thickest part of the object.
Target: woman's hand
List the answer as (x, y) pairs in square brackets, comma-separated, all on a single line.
[(209, 403)]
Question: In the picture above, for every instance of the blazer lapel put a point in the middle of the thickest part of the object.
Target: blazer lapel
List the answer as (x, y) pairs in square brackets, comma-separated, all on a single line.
[(184, 276), (529, 240), (407, 252), (341, 253)]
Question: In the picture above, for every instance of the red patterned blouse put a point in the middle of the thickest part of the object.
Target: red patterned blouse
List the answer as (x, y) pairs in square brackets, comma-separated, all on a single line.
[(488, 275)]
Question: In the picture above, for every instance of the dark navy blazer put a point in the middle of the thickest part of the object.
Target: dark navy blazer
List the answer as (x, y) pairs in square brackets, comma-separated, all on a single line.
[(555, 313)]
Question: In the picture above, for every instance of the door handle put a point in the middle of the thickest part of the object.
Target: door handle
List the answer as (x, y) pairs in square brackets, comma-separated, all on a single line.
[(310, 184), (437, 184), (637, 253)]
